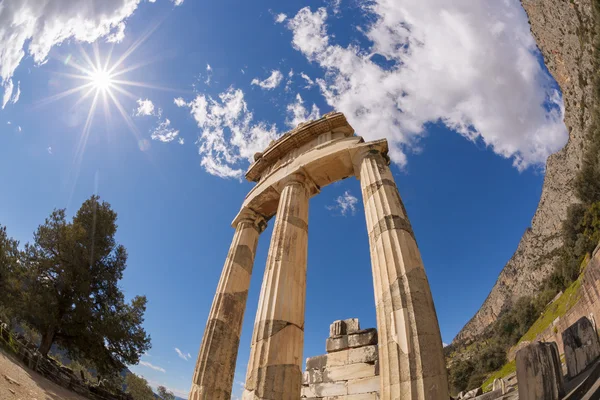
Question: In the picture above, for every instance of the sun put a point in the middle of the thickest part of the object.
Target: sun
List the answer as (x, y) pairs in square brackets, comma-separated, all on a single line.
[(101, 79)]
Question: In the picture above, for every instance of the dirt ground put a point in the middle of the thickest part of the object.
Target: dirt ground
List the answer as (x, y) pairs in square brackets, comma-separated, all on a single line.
[(29, 384)]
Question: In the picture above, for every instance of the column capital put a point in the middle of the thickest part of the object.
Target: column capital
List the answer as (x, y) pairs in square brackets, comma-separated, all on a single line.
[(248, 215), (300, 176), (378, 148)]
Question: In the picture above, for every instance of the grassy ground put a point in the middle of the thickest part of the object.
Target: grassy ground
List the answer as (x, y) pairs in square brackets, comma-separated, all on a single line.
[(556, 309), (507, 369)]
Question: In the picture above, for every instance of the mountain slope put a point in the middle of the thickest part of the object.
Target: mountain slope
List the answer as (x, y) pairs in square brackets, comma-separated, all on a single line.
[(564, 34)]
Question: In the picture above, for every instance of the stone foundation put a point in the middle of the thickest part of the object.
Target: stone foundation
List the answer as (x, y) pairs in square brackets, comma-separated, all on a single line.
[(349, 370)]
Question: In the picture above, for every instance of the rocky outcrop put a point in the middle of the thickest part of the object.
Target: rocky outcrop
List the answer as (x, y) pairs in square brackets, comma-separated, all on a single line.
[(564, 31)]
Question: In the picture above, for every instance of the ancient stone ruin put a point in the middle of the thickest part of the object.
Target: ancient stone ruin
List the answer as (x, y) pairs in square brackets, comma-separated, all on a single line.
[(539, 372), (581, 346), (349, 370), (288, 173)]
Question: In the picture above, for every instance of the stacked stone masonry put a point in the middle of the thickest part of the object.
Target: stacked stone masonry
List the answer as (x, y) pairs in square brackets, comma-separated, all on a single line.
[(349, 370)]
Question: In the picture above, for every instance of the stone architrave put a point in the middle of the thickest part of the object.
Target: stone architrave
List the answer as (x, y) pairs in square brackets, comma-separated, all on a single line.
[(215, 367), (275, 365), (539, 372), (411, 359), (581, 346)]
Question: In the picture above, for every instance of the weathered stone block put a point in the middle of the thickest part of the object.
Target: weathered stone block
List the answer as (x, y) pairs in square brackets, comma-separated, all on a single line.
[(539, 373), (365, 354), (317, 362), (315, 376), (581, 346), (363, 385), (499, 384), (352, 325), (329, 389), (346, 372), (471, 394), (337, 328), (362, 338), (364, 396), (337, 343)]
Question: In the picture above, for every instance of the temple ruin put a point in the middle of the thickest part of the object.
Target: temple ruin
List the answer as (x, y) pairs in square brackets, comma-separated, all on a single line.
[(288, 173)]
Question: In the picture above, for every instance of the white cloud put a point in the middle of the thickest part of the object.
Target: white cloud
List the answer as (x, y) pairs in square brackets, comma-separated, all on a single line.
[(34, 27), (297, 113), (345, 204), (229, 136), (145, 107), (471, 65), (8, 123), (17, 94), (164, 132), (279, 18), (179, 102), (243, 72), (208, 74), (49, 149), (335, 5), (177, 2), (309, 82), (152, 366), (182, 354), (180, 140), (271, 82), (19, 128), (8, 90), (118, 34)]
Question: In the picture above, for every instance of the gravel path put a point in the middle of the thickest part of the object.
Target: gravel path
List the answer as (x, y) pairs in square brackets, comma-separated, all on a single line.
[(29, 384)]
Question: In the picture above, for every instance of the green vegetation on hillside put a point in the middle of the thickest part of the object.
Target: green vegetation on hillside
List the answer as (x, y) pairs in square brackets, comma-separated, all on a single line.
[(554, 310)]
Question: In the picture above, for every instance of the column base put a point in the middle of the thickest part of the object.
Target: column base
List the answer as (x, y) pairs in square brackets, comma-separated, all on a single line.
[(203, 393)]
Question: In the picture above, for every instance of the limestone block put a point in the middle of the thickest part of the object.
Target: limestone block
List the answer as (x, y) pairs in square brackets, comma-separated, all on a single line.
[(316, 362), (493, 395), (308, 392), (305, 378), (352, 325), (328, 389), (581, 346), (499, 384), (337, 328), (363, 396), (363, 354), (362, 338), (471, 394), (539, 373), (363, 385), (315, 376), (346, 372), (337, 343)]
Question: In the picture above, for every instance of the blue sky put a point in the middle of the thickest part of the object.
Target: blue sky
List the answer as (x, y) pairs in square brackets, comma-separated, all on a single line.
[(457, 89)]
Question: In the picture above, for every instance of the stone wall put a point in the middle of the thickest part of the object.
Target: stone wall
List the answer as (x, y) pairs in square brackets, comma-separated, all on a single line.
[(349, 370)]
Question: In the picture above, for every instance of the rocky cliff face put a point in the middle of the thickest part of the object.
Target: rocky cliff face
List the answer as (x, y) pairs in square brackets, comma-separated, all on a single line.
[(564, 31)]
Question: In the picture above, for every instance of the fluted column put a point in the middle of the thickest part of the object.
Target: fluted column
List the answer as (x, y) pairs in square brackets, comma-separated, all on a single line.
[(275, 365), (410, 346), (213, 375)]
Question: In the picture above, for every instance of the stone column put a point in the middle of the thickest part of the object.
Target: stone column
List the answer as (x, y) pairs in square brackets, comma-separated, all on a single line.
[(213, 375), (410, 347), (275, 365)]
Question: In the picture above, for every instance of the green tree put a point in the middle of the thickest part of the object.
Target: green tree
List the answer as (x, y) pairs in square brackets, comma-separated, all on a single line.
[(460, 374), (138, 387), (71, 294), (10, 284), (164, 394)]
